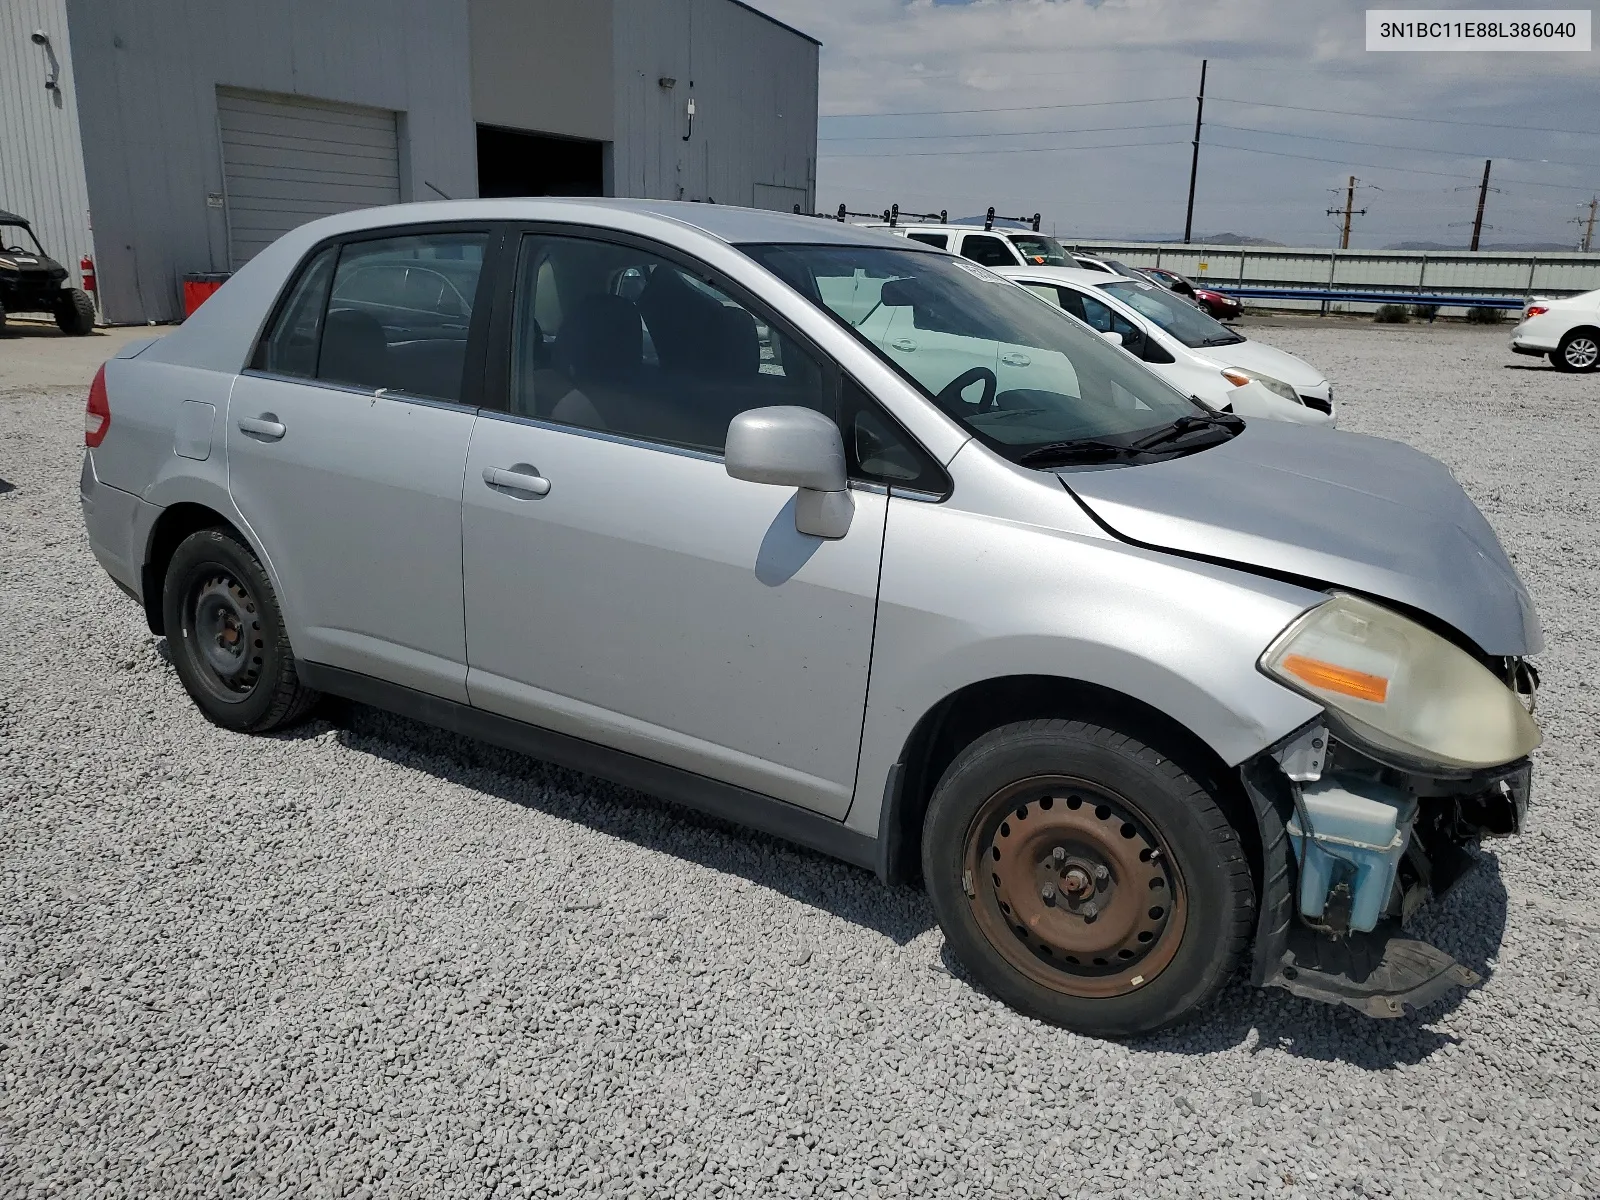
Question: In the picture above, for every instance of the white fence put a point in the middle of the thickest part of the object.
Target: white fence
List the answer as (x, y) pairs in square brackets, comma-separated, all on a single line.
[(1461, 273)]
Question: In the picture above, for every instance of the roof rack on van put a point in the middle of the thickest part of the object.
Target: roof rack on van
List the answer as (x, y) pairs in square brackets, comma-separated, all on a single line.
[(989, 219)]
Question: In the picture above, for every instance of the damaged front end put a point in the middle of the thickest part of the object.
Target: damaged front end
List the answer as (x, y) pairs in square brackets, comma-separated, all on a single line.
[(1376, 806), (1352, 848)]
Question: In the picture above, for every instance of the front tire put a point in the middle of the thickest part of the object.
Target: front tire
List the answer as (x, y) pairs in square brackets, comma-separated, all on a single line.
[(1578, 352), (1085, 878), (74, 313), (226, 635)]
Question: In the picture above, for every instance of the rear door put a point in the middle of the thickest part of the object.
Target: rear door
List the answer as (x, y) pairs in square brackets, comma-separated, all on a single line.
[(346, 442)]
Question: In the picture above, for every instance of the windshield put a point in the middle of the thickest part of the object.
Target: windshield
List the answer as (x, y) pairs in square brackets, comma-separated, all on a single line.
[(18, 239), (1017, 372), (1042, 251), (1176, 315)]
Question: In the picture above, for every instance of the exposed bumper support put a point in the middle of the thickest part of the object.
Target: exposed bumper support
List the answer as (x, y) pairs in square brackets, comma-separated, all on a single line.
[(1382, 973)]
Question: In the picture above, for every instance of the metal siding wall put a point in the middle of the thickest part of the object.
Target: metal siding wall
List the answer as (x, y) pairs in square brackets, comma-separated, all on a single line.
[(41, 152), (1462, 273), (755, 91), (148, 72)]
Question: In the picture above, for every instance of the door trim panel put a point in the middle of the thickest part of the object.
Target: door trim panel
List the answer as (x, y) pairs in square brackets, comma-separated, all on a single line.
[(737, 805)]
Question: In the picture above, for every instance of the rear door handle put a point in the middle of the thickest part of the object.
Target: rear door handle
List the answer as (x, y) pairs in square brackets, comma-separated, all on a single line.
[(1015, 358), (520, 478), (266, 426)]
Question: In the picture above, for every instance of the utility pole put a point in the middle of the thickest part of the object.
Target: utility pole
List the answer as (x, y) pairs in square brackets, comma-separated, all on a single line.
[(1349, 210), (1483, 194), (1588, 231), (1194, 163)]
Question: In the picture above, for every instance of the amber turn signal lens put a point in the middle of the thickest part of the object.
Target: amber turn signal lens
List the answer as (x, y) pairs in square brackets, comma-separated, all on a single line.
[(1237, 378), (1332, 678)]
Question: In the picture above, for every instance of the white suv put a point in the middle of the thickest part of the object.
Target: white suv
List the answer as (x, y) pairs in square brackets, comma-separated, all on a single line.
[(1566, 331)]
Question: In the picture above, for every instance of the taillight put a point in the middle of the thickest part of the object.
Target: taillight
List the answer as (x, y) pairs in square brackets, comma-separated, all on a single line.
[(1536, 310), (97, 413)]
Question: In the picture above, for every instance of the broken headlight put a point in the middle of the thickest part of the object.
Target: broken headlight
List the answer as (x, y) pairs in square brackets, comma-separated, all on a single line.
[(1400, 688)]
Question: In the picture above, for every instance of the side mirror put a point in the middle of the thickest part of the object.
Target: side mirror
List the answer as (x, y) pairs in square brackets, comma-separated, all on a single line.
[(1111, 335), (796, 447)]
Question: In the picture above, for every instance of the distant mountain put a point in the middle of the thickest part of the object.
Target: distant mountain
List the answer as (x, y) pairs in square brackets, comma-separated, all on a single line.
[(1514, 246), (1172, 239)]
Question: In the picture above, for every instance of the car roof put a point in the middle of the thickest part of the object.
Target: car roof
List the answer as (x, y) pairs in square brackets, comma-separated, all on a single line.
[(910, 227), (1059, 275)]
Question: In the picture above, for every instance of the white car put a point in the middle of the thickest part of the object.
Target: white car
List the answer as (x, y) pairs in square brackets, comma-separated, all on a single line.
[(1185, 346), (1567, 331)]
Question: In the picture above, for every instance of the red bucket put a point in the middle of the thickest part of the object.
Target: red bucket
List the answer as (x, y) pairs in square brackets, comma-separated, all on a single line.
[(196, 288)]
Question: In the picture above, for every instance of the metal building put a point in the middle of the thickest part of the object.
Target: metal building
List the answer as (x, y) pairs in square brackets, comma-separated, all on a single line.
[(165, 138)]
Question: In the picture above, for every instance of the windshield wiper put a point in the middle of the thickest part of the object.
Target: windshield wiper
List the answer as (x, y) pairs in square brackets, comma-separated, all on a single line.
[(1232, 339), (1080, 449), (1187, 425)]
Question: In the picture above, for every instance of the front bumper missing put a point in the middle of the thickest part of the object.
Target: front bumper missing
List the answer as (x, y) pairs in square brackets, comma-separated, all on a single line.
[(1382, 973)]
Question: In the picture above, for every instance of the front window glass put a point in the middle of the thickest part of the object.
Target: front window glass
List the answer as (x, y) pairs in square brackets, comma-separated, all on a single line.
[(19, 239), (1042, 251), (609, 337), (1016, 373), (1178, 317), (990, 251)]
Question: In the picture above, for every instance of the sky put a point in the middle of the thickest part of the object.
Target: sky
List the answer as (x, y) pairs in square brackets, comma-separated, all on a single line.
[(1094, 103)]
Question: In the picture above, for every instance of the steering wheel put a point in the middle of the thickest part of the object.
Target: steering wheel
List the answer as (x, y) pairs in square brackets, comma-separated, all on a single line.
[(949, 398)]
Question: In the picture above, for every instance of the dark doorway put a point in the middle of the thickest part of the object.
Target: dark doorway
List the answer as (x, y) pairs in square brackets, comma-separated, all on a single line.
[(514, 163)]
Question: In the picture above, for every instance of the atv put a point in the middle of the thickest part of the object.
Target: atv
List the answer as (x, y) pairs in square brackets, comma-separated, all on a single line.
[(32, 281)]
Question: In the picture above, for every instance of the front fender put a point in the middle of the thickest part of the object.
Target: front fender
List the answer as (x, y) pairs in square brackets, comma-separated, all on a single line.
[(967, 598)]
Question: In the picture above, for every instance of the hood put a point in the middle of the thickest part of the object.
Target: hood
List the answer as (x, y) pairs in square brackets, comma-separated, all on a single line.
[(1349, 511), (1258, 356)]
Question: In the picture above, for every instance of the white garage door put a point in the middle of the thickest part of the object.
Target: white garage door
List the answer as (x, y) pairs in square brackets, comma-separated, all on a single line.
[(286, 161)]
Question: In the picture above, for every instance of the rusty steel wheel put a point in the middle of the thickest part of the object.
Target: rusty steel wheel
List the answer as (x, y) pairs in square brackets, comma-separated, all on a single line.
[(1086, 875), (1071, 884)]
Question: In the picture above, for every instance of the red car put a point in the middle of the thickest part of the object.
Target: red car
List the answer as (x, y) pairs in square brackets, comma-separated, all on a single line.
[(1221, 306)]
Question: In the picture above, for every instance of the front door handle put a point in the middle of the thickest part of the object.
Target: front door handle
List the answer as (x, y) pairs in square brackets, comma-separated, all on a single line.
[(520, 478), (265, 426)]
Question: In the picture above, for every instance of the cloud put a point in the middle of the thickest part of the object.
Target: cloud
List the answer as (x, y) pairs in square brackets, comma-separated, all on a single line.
[(1116, 169)]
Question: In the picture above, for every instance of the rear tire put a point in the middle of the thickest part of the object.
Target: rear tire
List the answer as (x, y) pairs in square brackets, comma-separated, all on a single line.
[(75, 313), (226, 635), (1085, 878), (1578, 352)]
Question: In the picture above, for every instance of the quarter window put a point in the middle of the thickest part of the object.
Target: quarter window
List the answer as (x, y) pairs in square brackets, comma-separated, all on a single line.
[(613, 338), (400, 311), (290, 347)]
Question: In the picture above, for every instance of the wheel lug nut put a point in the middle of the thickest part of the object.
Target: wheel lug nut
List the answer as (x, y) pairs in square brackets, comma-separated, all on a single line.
[(1102, 874), (1090, 911), (1059, 854), (1048, 891)]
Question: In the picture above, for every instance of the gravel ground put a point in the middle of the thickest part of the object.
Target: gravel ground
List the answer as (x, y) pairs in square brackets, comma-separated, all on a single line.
[(369, 959)]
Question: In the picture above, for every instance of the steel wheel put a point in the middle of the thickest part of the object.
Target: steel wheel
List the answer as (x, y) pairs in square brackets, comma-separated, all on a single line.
[(1074, 887), (224, 633)]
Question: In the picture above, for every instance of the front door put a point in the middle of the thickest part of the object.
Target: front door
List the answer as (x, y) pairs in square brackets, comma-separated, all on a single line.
[(346, 441), (620, 586)]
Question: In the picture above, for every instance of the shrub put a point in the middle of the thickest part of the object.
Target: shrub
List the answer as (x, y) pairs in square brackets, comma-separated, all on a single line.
[(1424, 312), (1484, 316), (1392, 314)]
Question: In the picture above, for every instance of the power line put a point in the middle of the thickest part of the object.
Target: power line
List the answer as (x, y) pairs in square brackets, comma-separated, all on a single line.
[(1340, 112), (1554, 162), (1016, 150), (949, 112), (1571, 187), (911, 137)]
